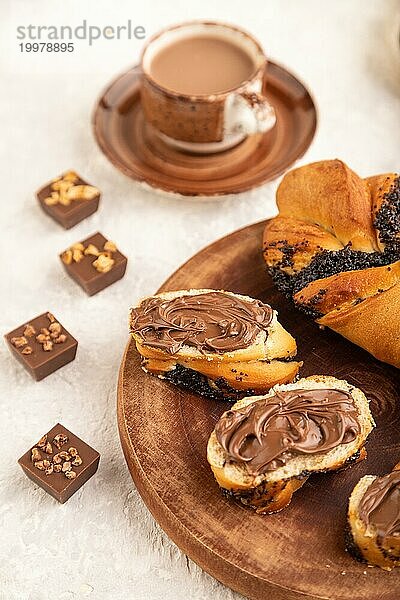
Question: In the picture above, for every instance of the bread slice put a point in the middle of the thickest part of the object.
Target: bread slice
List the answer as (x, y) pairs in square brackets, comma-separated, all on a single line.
[(362, 540), (229, 375), (272, 490)]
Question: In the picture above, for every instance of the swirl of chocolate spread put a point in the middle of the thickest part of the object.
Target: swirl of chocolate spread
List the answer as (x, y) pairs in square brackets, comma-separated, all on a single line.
[(210, 322), (380, 506), (265, 434)]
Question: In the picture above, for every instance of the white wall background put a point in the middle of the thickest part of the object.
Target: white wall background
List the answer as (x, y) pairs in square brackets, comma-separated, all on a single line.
[(103, 544)]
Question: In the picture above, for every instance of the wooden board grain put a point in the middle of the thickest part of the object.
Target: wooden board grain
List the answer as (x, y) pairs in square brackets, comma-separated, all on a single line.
[(298, 553)]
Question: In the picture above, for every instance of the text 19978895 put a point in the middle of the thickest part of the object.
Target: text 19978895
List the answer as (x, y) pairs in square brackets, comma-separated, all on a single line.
[(46, 46)]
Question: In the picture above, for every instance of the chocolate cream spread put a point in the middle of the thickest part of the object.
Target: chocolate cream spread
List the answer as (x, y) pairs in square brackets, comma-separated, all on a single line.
[(210, 322), (264, 435), (380, 506)]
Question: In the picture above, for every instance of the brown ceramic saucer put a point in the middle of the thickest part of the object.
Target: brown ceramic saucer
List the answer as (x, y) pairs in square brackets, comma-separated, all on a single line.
[(136, 150)]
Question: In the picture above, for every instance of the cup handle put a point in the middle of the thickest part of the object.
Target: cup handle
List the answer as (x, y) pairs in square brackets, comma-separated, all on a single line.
[(248, 113)]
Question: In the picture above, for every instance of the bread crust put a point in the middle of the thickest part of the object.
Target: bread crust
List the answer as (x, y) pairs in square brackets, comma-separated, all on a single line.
[(372, 324), (348, 288), (330, 194)]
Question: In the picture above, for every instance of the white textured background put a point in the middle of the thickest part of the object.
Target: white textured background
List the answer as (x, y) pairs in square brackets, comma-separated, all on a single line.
[(103, 544)]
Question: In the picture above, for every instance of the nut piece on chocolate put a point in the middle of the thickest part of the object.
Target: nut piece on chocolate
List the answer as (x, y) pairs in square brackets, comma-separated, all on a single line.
[(94, 263), (57, 474), (69, 199), (42, 345)]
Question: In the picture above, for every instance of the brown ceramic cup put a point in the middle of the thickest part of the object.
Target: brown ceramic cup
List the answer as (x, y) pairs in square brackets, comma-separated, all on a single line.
[(206, 123)]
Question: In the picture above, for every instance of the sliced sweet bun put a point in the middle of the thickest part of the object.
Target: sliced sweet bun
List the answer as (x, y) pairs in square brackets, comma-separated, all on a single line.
[(372, 324), (278, 344), (348, 288), (291, 244), (273, 489), (362, 541), (230, 375), (303, 194), (265, 347)]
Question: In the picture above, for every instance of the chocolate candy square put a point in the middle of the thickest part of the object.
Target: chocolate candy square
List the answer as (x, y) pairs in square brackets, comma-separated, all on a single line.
[(42, 345), (60, 463), (94, 263), (69, 199)]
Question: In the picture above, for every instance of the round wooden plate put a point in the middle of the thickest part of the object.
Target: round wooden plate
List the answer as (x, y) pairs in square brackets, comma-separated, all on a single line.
[(298, 553), (135, 149)]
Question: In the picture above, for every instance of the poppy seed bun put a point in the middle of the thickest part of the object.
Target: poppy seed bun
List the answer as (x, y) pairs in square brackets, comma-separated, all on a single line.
[(334, 249)]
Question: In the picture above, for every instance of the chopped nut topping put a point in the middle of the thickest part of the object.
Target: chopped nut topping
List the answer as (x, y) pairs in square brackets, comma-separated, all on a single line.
[(59, 440), (41, 338), (70, 176), (48, 448), (57, 459), (77, 461), (55, 328), (29, 331), (46, 463), (47, 346), (91, 250), (45, 331), (35, 455), (57, 468), (103, 264), (110, 246), (39, 465), (64, 455), (51, 317), (49, 470), (82, 192), (73, 451), (78, 246), (42, 442), (18, 342), (64, 191), (66, 257), (27, 350), (52, 199), (66, 466), (70, 474), (77, 255), (61, 185), (60, 339)]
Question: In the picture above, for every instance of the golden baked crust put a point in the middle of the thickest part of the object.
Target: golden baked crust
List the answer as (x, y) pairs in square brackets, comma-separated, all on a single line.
[(333, 196), (372, 324)]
